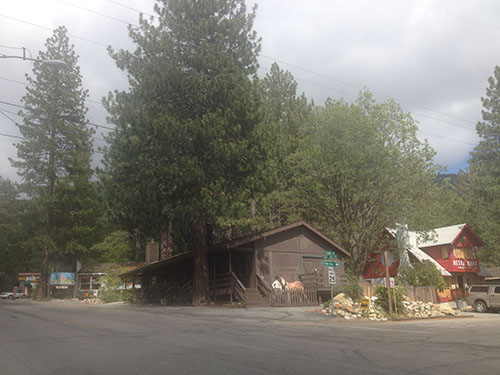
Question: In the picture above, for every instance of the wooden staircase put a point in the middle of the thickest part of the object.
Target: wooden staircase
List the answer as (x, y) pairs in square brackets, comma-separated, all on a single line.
[(253, 298)]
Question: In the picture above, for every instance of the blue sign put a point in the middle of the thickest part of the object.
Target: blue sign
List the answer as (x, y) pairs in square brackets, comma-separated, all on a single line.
[(389, 258)]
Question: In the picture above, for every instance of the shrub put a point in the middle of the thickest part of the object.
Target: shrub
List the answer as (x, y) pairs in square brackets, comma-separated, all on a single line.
[(352, 289), (397, 298), (112, 289), (421, 274)]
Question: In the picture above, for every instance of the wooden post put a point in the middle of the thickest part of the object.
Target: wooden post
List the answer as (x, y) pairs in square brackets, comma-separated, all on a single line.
[(388, 281)]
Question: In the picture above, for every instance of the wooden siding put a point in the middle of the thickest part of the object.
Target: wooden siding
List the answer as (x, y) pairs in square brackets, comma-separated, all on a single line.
[(292, 253)]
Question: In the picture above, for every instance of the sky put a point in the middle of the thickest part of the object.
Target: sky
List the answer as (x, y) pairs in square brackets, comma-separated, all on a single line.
[(433, 57)]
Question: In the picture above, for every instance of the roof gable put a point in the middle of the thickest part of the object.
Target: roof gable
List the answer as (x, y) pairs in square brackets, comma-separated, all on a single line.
[(272, 232)]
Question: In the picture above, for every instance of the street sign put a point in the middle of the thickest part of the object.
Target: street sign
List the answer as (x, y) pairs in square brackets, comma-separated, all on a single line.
[(331, 254), (389, 258), (330, 263), (332, 279), (365, 303)]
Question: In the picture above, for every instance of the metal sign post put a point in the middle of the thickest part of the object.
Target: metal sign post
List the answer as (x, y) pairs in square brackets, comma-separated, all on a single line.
[(332, 279)]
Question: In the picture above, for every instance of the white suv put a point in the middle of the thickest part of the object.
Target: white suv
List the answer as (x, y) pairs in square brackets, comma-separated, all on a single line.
[(484, 297)]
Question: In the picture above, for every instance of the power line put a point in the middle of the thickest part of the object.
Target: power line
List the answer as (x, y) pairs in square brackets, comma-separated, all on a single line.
[(448, 139), (50, 29), (15, 122), (361, 88), (130, 8), (98, 13), (288, 64), (355, 95), (25, 84), (90, 123), (10, 135), (276, 60)]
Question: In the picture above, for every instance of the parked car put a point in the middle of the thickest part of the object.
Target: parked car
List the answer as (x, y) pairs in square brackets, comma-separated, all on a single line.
[(484, 297), (9, 295)]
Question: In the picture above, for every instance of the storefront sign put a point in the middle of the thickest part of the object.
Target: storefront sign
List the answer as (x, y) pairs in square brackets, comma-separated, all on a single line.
[(33, 277), (62, 278), (465, 265)]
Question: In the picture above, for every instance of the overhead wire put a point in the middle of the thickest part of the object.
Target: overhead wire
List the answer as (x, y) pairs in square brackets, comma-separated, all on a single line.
[(16, 123), (278, 61), (90, 123)]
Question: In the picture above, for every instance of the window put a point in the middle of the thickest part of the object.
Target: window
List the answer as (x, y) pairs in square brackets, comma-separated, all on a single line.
[(459, 253), (445, 254), (497, 290), (468, 253), (479, 289)]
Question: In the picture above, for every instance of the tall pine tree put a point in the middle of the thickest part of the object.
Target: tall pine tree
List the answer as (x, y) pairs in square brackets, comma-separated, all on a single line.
[(185, 128), (55, 153), (485, 174)]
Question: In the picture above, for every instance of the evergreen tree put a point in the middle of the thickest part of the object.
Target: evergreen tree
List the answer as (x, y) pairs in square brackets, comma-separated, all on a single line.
[(485, 174), (185, 129), (10, 234), (55, 153), (286, 119)]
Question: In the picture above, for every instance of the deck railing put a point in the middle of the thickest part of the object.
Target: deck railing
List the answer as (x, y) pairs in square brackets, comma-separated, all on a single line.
[(227, 284), (306, 297)]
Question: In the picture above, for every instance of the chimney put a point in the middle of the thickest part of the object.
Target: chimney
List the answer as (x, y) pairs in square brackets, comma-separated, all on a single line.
[(151, 252)]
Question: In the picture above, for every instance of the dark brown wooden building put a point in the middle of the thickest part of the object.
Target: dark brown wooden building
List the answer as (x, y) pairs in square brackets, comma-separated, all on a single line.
[(244, 269)]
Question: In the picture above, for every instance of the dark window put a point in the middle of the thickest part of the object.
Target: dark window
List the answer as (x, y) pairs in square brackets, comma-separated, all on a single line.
[(497, 289), (479, 289)]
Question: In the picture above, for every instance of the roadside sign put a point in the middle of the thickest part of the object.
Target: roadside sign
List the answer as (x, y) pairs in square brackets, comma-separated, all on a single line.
[(331, 254), (330, 263), (389, 258), (365, 303), (391, 282), (332, 279)]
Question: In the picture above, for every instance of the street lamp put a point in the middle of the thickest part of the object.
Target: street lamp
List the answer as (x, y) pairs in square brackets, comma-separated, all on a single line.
[(59, 64)]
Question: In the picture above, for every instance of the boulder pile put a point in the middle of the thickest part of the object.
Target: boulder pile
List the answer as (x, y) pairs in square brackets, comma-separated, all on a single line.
[(346, 308), (419, 309)]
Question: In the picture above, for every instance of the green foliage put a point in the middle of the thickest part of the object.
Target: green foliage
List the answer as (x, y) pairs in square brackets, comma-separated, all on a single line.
[(360, 168), (112, 288), (485, 175), (352, 289), (421, 274), (185, 144), (54, 155), (397, 294), (116, 247)]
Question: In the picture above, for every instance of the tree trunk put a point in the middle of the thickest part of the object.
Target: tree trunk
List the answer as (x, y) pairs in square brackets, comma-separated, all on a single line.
[(200, 280), (170, 240), (44, 271), (167, 242), (164, 240), (137, 245)]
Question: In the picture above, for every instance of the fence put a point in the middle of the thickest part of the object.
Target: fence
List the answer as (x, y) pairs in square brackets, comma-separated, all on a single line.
[(415, 293), (306, 297)]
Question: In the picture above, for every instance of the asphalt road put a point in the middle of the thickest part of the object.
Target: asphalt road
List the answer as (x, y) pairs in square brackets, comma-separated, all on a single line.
[(73, 338)]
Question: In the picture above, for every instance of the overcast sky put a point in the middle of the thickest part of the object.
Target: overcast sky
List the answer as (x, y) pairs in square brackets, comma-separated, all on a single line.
[(433, 57)]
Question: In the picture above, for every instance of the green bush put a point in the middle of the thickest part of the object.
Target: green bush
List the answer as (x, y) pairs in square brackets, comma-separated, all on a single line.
[(352, 289), (421, 274), (396, 295), (112, 289)]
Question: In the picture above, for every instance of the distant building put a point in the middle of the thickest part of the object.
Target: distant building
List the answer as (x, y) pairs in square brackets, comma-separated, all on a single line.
[(453, 250)]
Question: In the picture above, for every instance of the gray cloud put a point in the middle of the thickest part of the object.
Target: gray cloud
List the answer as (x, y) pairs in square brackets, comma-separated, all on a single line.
[(436, 54)]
